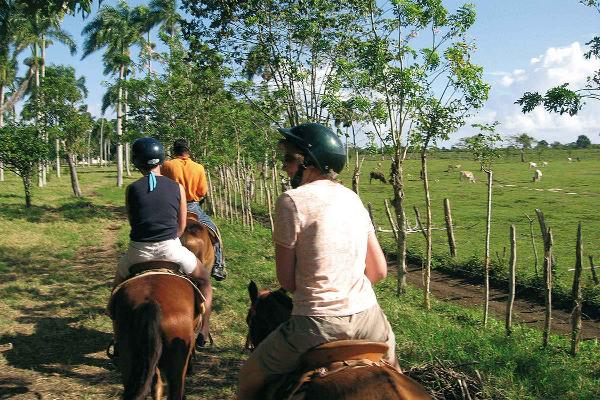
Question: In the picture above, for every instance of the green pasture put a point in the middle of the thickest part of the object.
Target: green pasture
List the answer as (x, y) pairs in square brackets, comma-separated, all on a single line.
[(57, 261), (568, 193)]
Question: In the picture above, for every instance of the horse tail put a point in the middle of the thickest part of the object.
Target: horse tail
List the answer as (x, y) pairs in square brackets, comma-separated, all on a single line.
[(145, 342)]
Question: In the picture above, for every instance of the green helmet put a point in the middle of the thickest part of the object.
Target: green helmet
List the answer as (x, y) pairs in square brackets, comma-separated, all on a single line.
[(321, 146)]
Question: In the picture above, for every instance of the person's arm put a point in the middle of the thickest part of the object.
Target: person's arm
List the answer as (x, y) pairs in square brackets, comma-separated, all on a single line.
[(127, 204), (285, 265), (182, 212), (376, 265), (202, 187)]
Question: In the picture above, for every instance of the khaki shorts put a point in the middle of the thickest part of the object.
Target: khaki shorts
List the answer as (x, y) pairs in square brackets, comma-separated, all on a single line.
[(280, 352), (167, 250)]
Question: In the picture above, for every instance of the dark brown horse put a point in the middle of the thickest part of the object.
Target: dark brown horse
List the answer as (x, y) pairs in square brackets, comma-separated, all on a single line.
[(155, 318), (368, 381)]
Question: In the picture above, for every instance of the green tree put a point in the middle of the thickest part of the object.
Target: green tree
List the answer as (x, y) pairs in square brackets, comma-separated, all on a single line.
[(484, 149), (524, 142), (413, 63), (583, 142), (562, 99), (21, 151), (63, 114), (117, 29)]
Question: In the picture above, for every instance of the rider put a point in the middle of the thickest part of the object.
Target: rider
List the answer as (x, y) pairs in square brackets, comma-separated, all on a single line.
[(157, 212), (193, 178), (326, 254)]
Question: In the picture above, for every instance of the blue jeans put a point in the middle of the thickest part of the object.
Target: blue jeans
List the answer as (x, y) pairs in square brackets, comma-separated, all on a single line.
[(194, 207)]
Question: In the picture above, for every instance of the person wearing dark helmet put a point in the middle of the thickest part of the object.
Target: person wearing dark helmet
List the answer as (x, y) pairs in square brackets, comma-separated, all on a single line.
[(156, 209), (326, 255)]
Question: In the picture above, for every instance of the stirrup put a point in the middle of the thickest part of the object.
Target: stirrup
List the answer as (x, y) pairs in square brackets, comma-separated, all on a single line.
[(219, 272)]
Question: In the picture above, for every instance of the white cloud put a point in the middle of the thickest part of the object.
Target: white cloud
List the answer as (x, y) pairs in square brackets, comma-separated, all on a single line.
[(555, 66)]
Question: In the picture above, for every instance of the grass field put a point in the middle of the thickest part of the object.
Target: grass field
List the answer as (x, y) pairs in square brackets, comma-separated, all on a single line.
[(568, 193), (57, 260)]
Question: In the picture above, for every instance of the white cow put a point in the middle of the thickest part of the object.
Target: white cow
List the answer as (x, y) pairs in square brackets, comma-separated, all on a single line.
[(467, 175), (544, 163), (532, 165), (537, 176), (569, 159)]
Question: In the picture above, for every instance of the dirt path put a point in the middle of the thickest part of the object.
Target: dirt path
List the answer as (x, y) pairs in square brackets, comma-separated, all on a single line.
[(467, 294)]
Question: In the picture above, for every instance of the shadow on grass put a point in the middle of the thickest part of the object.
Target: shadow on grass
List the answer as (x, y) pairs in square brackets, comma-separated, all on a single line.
[(12, 386), (214, 369), (76, 210)]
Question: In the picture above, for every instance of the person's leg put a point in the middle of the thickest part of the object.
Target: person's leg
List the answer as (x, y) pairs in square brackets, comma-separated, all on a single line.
[(372, 324), (201, 278), (219, 271)]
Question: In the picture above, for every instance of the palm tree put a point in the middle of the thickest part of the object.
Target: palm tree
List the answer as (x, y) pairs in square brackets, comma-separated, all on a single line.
[(164, 12), (117, 29)]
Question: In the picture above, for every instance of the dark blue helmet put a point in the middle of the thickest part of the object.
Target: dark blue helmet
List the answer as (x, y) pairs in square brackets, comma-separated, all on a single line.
[(147, 153)]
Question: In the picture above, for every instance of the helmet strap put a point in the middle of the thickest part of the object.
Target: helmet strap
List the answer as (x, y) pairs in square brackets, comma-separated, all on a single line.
[(297, 178)]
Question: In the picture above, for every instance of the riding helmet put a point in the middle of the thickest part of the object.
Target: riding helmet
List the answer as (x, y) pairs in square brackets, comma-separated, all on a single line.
[(147, 153), (322, 147)]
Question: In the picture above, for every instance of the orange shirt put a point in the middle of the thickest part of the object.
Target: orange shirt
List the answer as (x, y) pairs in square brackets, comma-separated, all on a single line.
[(190, 174)]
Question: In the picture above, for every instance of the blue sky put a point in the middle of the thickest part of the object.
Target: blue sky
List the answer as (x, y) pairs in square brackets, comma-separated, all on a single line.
[(523, 45)]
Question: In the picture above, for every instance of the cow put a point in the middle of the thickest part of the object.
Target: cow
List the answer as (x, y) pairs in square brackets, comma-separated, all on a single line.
[(544, 163), (537, 176), (569, 159), (467, 175), (532, 165), (377, 176)]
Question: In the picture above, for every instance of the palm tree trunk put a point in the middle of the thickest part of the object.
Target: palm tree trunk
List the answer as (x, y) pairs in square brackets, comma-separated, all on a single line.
[(101, 161), (1, 125), (37, 116), (120, 129), (126, 144), (73, 173), (57, 145)]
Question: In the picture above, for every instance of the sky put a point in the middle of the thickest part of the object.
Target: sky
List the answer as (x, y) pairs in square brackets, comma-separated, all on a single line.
[(523, 45)]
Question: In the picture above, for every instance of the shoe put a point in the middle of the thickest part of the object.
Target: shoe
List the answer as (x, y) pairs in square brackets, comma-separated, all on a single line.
[(219, 272), (200, 342)]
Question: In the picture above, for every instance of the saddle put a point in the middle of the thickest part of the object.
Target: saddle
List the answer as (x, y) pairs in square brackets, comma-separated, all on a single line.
[(156, 268), (327, 359)]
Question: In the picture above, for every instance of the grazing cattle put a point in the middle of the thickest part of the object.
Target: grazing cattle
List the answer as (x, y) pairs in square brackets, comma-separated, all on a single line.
[(377, 176), (569, 159), (537, 176), (467, 175), (544, 163), (453, 167), (532, 165)]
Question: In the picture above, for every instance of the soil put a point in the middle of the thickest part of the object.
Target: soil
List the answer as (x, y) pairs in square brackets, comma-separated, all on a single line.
[(464, 292)]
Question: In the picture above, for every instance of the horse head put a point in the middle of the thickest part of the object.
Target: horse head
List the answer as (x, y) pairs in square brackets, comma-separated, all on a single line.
[(268, 310), (197, 238)]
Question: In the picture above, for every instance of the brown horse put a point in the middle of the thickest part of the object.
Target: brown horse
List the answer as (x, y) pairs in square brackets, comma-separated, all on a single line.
[(330, 380), (155, 318)]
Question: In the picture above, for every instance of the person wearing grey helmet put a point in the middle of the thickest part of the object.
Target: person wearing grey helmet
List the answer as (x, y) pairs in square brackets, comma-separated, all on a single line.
[(326, 255)]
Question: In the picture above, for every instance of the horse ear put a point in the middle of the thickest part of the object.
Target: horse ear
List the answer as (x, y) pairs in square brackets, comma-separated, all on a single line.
[(253, 291), (191, 215)]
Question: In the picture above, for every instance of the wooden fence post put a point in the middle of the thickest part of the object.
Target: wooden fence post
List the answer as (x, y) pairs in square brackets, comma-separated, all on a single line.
[(535, 253), (511, 279), (548, 283), (392, 222), (577, 296), (269, 207), (370, 209), (449, 229)]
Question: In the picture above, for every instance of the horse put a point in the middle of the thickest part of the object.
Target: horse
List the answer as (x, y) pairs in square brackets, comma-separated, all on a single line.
[(344, 370), (155, 318)]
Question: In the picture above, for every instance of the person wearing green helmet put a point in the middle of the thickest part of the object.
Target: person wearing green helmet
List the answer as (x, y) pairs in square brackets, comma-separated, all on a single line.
[(326, 255)]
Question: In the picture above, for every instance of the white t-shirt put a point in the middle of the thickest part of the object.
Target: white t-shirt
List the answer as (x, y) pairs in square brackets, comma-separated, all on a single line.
[(327, 224)]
